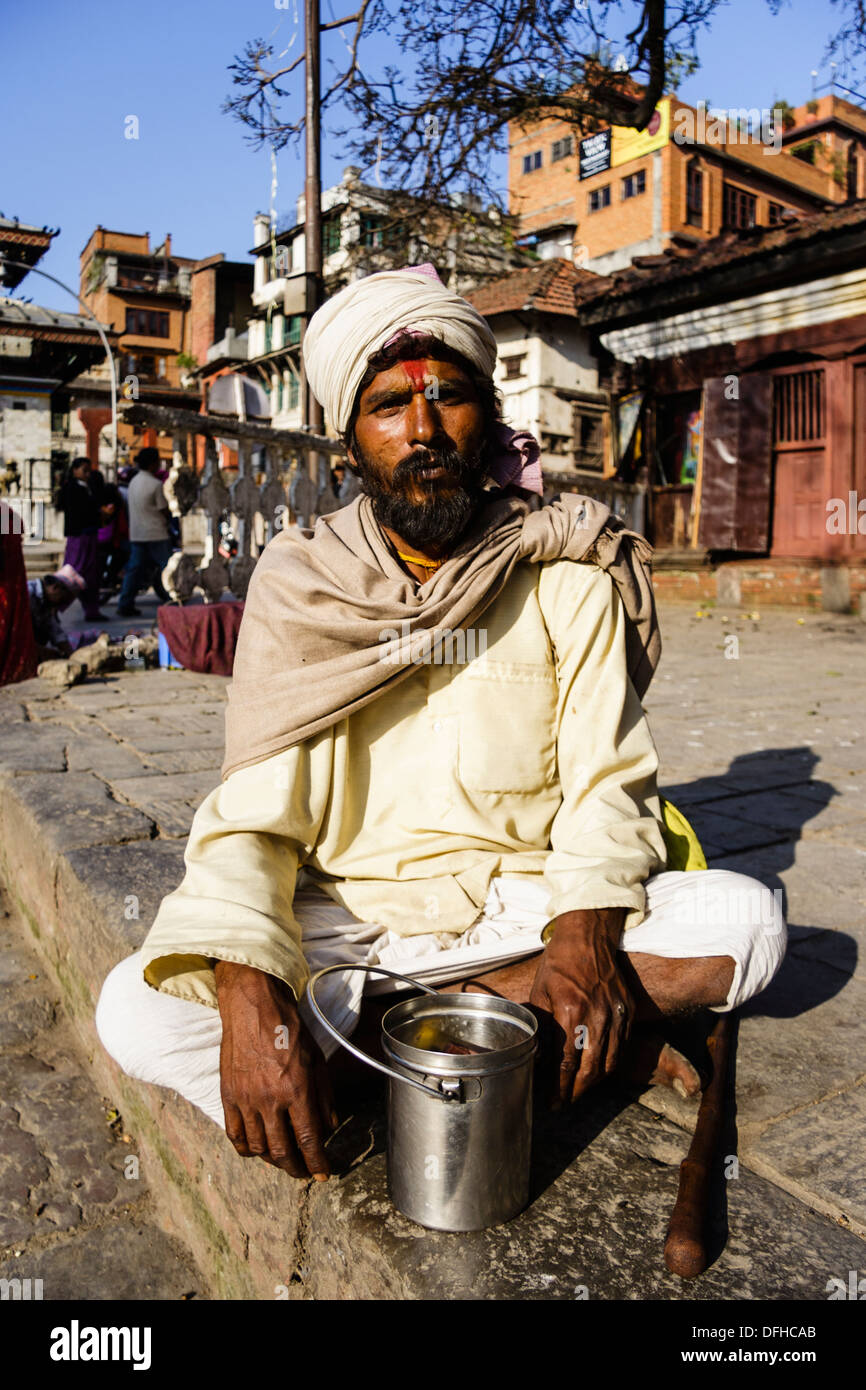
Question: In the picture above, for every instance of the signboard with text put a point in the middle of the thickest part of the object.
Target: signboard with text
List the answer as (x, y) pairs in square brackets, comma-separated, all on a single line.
[(595, 154)]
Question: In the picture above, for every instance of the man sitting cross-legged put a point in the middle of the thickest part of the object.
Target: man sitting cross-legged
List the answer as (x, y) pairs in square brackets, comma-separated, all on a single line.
[(437, 761)]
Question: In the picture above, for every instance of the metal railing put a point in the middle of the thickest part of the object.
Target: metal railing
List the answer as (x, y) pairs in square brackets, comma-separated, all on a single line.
[(279, 473)]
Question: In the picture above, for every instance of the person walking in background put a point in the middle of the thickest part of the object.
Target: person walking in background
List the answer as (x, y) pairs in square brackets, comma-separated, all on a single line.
[(82, 517), (149, 536)]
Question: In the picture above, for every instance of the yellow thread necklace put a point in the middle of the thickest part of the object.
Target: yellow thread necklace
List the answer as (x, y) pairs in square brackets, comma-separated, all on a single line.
[(416, 560)]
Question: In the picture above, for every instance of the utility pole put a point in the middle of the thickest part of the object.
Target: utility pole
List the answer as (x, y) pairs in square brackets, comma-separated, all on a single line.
[(313, 414)]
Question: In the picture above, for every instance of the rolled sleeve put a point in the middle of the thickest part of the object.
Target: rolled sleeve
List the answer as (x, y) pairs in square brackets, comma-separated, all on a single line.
[(606, 837), (248, 838)]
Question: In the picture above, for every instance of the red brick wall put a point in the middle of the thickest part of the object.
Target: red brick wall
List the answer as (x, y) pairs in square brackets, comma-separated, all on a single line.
[(773, 585)]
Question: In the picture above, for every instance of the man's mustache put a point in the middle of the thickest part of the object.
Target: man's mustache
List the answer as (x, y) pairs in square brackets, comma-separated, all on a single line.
[(415, 465)]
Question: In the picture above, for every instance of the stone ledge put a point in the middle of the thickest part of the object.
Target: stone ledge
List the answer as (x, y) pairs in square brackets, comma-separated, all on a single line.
[(604, 1180)]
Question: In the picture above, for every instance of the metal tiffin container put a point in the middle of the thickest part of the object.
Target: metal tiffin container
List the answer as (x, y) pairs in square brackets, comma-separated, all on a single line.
[(459, 1103)]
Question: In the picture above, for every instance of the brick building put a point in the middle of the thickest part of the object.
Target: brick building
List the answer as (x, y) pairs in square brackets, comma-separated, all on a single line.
[(168, 312), (737, 374), (621, 193)]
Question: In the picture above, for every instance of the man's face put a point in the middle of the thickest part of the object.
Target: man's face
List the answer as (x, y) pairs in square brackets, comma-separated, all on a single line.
[(418, 440), (82, 472)]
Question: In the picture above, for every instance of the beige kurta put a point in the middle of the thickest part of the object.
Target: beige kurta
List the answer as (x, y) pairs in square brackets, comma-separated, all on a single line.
[(534, 757)]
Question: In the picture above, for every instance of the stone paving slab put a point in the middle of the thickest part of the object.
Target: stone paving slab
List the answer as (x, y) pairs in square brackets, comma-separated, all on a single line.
[(604, 1181), (767, 756), (814, 1149), (75, 809), (75, 1210)]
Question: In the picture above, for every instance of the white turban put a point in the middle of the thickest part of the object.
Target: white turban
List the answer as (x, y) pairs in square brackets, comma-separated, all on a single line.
[(364, 316)]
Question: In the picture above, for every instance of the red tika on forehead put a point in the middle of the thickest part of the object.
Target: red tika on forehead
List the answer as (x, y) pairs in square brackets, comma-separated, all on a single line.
[(416, 371)]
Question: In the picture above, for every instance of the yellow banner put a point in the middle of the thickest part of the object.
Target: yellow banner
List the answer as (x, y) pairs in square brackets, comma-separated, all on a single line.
[(628, 144)]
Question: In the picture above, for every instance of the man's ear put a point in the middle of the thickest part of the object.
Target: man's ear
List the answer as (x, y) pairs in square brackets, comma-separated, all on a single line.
[(352, 462)]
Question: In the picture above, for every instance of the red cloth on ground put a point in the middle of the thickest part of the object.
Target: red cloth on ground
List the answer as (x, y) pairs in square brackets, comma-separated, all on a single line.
[(202, 637), (18, 660)]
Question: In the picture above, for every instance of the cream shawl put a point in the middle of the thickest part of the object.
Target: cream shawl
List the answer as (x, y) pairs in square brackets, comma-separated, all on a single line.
[(318, 637)]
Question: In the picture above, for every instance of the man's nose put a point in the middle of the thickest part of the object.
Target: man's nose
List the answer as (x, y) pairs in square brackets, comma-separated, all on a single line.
[(423, 423)]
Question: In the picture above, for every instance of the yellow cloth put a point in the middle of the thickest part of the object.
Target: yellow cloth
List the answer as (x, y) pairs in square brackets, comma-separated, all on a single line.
[(404, 810), (684, 847)]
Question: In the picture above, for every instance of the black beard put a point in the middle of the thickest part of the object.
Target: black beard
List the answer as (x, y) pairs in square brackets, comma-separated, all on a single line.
[(438, 520)]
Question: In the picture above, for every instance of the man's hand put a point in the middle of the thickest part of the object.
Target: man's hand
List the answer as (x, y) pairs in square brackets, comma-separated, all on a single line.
[(275, 1088), (579, 983)]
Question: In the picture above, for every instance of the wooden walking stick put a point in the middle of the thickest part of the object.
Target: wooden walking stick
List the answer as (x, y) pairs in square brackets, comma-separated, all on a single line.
[(685, 1247)]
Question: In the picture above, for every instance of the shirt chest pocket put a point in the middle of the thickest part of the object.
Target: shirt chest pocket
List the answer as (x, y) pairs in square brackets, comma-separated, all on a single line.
[(507, 724)]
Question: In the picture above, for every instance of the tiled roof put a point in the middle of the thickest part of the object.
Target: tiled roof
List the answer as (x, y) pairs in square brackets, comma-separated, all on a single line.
[(678, 265), (15, 313), (12, 224), (549, 286)]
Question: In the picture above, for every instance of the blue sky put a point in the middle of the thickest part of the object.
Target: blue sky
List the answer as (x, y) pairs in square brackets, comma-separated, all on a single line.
[(74, 72)]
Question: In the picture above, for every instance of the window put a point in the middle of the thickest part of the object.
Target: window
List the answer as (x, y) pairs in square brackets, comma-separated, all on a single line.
[(292, 330), (775, 213), (160, 368), (147, 323), (738, 207), (798, 407), (694, 196), (331, 230), (561, 149), (292, 387), (513, 366), (531, 161), (851, 173), (633, 184), (589, 439), (374, 233), (599, 198)]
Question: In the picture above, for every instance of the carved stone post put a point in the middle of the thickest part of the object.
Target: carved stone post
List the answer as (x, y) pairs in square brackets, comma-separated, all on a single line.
[(245, 503), (214, 500), (272, 496)]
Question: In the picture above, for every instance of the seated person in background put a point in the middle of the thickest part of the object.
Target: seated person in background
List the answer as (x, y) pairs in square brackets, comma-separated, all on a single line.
[(48, 599)]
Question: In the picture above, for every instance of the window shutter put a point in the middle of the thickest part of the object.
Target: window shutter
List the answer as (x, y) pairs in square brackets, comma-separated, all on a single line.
[(737, 463)]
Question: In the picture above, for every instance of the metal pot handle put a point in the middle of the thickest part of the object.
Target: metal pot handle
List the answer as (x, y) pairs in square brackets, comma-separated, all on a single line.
[(453, 1093)]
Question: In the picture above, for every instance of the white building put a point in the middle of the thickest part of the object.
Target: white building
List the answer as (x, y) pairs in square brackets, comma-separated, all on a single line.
[(546, 371), (360, 235)]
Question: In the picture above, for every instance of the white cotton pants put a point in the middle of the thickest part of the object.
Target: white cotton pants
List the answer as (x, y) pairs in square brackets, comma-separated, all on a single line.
[(174, 1042)]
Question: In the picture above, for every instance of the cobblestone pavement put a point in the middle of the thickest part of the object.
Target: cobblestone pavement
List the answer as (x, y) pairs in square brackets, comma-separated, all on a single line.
[(74, 1206), (759, 722)]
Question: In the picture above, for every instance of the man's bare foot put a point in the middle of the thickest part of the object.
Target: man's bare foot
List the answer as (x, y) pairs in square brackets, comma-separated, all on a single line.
[(651, 1061)]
